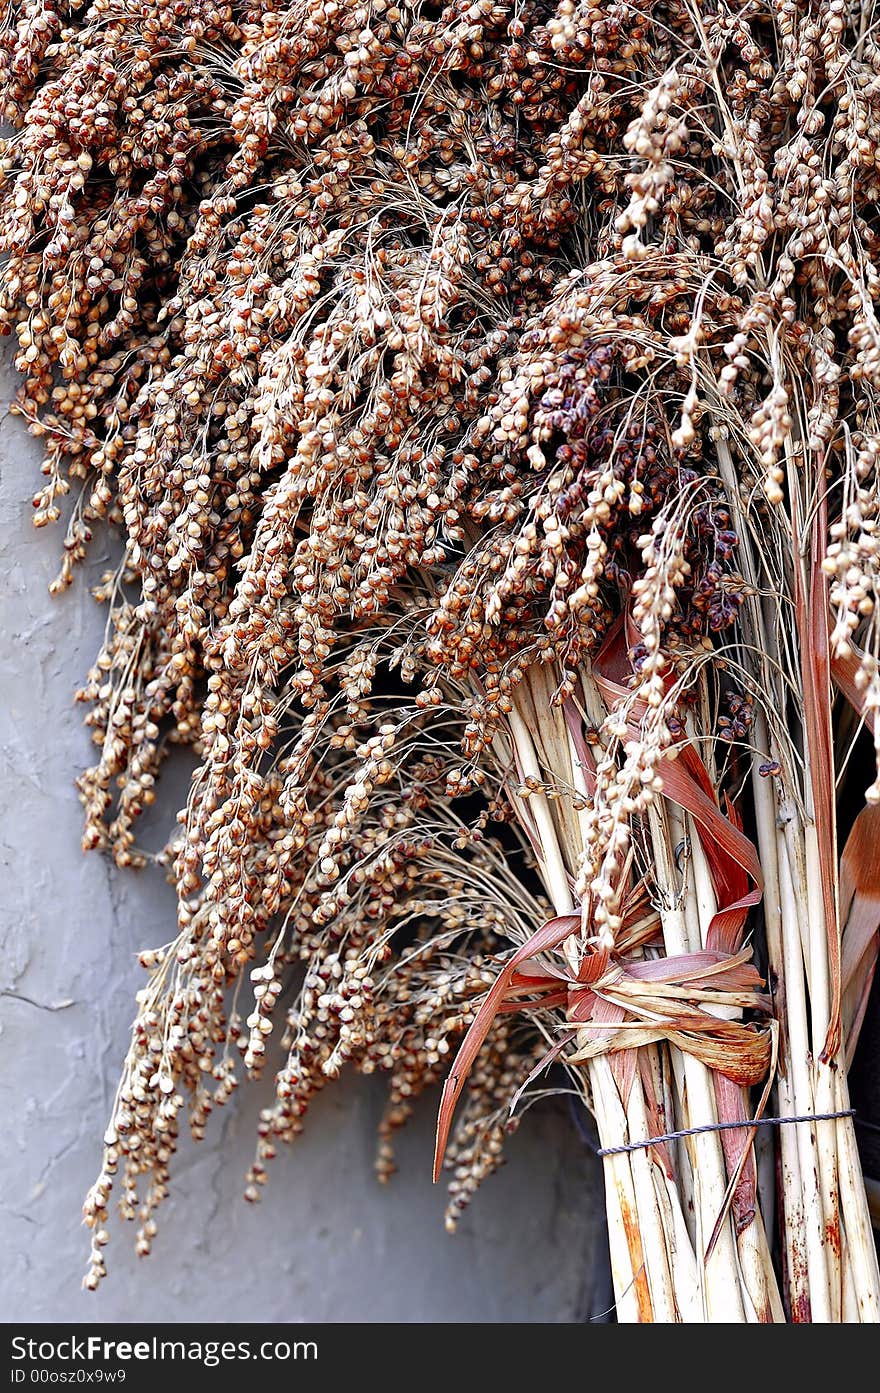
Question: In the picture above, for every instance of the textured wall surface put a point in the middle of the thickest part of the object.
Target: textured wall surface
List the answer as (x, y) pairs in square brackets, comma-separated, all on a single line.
[(327, 1243)]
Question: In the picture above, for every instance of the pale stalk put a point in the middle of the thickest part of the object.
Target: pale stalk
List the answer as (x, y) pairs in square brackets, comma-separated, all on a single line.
[(851, 1307), (858, 1234), (676, 1194), (680, 1233), (756, 1264), (803, 1100), (845, 1198), (793, 1222), (631, 1287), (807, 873), (630, 1280), (682, 1258), (673, 1083), (771, 849), (669, 1289), (719, 1276), (684, 1168), (830, 1086), (824, 1088), (661, 1269)]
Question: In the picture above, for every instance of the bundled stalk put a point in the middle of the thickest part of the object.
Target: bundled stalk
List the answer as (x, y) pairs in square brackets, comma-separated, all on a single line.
[(831, 1257), (671, 976), (486, 403)]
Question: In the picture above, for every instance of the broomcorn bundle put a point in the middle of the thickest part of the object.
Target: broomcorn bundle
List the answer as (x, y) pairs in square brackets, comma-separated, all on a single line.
[(485, 400)]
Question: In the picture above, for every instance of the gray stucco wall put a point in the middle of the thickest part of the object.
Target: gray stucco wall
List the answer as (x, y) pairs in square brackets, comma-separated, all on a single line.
[(327, 1243)]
